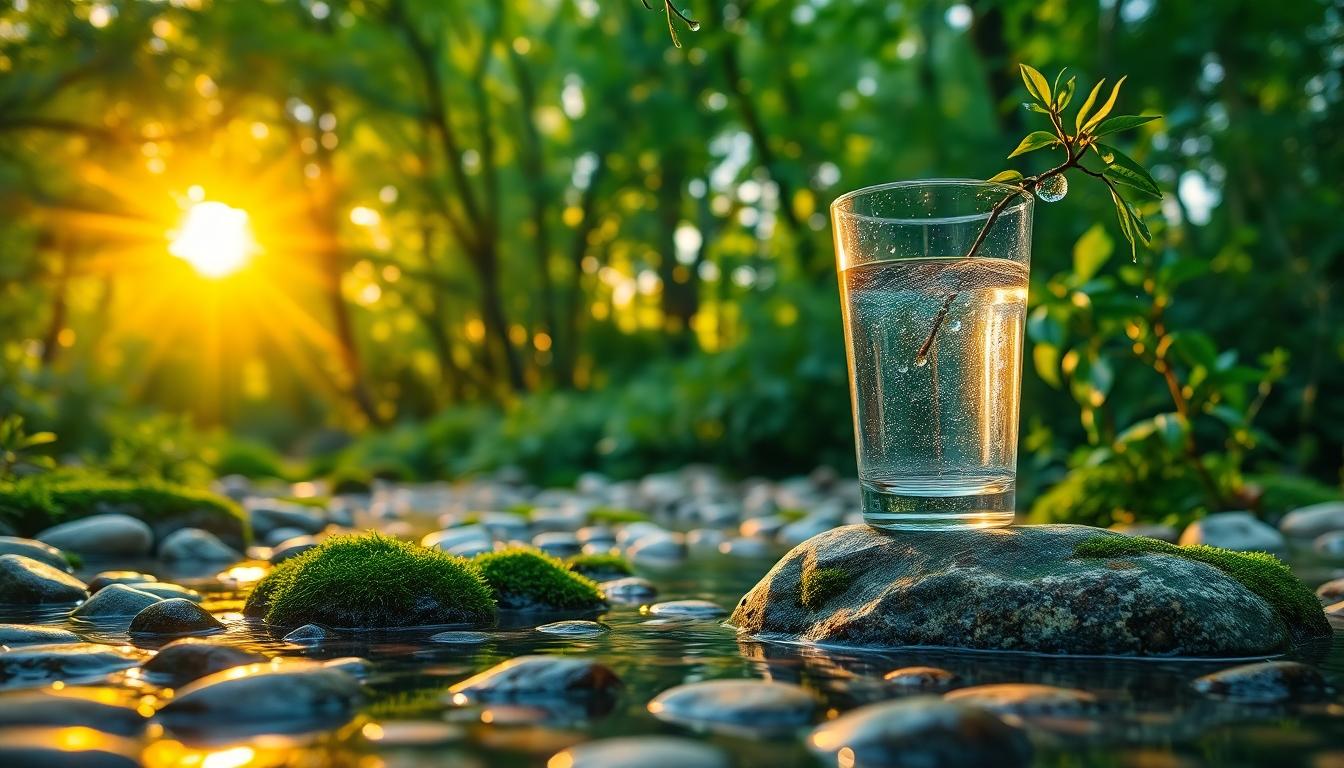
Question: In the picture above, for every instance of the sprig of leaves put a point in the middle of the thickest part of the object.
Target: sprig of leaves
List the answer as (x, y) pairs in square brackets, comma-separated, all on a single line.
[(672, 11), (1090, 123), (17, 448)]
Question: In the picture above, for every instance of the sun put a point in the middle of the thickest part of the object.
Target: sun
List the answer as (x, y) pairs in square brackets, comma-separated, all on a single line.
[(215, 238)]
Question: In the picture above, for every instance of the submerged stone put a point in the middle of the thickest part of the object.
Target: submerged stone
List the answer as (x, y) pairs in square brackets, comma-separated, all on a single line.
[(460, 638), (736, 706), (96, 708), (689, 609), (175, 616), (129, 578), (309, 634), (1267, 682), (920, 731), (35, 664), (191, 658), (168, 591), (537, 677), (16, 635), (1025, 699), (631, 589), (1018, 588), (1331, 591), (287, 696), (115, 601), (56, 747), (641, 752), (574, 628), (926, 679)]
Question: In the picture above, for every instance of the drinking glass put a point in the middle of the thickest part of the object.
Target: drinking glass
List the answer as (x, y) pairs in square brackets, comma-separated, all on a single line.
[(933, 283)]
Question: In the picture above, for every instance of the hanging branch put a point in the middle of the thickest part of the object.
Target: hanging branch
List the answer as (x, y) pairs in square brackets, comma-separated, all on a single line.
[(671, 10)]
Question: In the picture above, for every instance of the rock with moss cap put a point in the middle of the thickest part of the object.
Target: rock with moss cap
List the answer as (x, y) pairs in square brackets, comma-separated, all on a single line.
[(1053, 588), (602, 565), (527, 579), (364, 581)]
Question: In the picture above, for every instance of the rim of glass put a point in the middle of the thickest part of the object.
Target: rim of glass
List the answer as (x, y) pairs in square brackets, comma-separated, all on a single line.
[(1025, 200)]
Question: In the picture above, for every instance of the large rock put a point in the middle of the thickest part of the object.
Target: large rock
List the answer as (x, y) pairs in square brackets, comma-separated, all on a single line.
[(32, 548), (101, 536), (1018, 588), (174, 616), (1310, 522), (115, 601), (1233, 530), (24, 581), (196, 546), (278, 697), (191, 658)]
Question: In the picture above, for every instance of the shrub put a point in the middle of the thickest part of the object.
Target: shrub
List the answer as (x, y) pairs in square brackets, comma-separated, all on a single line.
[(249, 459), (372, 581), (527, 578), (348, 479)]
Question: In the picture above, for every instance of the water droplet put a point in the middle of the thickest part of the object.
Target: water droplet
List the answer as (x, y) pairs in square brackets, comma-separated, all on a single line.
[(1053, 189), (954, 326), (922, 360), (903, 369), (891, 249), (694, 26)]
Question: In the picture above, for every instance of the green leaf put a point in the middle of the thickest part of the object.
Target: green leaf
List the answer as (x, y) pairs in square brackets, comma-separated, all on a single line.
[(1125, 170), (1046, 358), (1126, 227), (1122, 123), (39, 438), (1034, 107), (1105, 110), (1006, 176), (1136, 219), (1087, 106), (1036, 83), (1062, 98), (1034, 141), (1091, 252)]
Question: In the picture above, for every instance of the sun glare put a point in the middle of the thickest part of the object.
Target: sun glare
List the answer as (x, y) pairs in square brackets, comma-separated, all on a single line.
[(216, 239)]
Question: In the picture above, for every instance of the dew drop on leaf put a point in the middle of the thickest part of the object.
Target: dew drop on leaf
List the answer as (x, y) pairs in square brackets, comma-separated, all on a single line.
[(954, 326), (921, 361), (1053, 189), (694, 26)]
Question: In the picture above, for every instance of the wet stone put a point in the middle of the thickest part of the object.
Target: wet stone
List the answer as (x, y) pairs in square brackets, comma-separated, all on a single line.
[(278, 536), (115, 601), (182, 661), (1240, 531), (574, 628), (921, 731), (460, 638), (25, 581), (71, 707), (16, 635), (351, 665), (34, 549), (656, 549), (267, 515), (537, 676), (309, 634), (744, 546), (735, 706), (1330, 544), (71, 662), (1312, 521), (557, 543), (691, 609), (1268, 682), (451, 537), (167, 591), (176, 616), (1331, 591), (292, 547), (415, 733), (1026, 700), (196, 546), (286, 696), (631, 589), (130, 578), (44, 746), (101, 536), (923, 679), (642, 752)]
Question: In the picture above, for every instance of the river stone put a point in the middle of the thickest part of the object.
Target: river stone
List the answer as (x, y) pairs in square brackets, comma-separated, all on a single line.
[(167, 591), (46, 747), (735, 706), (278, 536), (1158, 531), (451, 537), (687, 609), (309, 634), (745, 546), (631, 589), (460, 638), (558, 543), (292, 547), (32, 548), (537, 676), (359, 668), (1330, 544), (1331, 591), (573, 628), (1025, 699), (656, 549), (34, 664), (286, 696), (920, 731), (1016, 588), (113, 535), (196, 546), (192, 658), (71, 707), (1266, 682), (176, 616), (926, 679), (16, 635), (1240, 531), (25, 581), (1310, 522), (268, 514), (641, 752), (115, 601), (130, 578)]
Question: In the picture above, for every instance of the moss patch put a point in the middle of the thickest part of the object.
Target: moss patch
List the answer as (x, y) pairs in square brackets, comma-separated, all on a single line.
[(821, 584), (528, 578), (614, 516), (372, 581), (1260, 572), (34, 504), (600, 565)]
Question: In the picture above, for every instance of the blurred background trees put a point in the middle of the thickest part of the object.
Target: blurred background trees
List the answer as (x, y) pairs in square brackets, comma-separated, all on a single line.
[(537, 234)]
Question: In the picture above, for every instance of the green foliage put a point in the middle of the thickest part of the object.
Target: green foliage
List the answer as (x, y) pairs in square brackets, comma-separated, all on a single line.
[(614, 516), (163, 447), (32, 504), (251, 459), (525, 578), (20, 451), (350, 479), (819, 585), (600, 566), (1280, 492), (1260, 572), (372, 581)]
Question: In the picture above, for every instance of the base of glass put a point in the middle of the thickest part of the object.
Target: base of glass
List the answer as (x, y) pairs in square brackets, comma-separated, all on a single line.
[(897, 511)]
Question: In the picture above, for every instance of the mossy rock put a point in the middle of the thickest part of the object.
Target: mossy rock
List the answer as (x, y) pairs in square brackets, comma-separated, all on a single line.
[(819, 585), (528, 579), (600, 566), (1260, 572), (35, 504), (615, 516), (370, 581)]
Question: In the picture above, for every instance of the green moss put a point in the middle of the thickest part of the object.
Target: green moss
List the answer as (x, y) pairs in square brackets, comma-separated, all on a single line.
[(821, 584), (370, 581), (34, 504), (1260, 572), (316, 502), (350, 480), (528, 578), (792, 515), (600, 565), (614, 516), (521, 509)]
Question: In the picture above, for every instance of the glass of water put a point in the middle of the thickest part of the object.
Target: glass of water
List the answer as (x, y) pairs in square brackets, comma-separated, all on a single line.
[(933, 282)]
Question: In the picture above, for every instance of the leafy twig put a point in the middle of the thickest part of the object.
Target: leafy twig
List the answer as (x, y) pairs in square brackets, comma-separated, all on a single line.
[(671, 10)]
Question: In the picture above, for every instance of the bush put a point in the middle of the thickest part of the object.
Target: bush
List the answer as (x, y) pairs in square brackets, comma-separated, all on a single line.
[(372, 581), (524, 578), (249, 459), (349, 479)]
